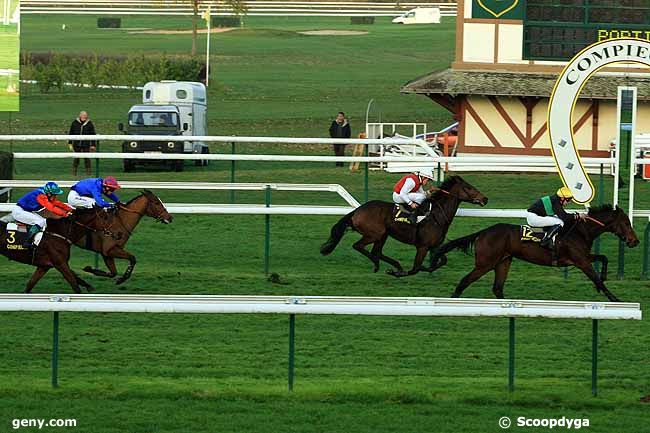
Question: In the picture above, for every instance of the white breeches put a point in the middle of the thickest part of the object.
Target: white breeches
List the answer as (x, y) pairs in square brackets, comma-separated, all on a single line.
[(417, 197), (78, 201), (535, 220), (31, 218)]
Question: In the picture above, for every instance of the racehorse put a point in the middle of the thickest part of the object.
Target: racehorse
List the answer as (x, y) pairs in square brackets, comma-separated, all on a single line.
[(53, 250), (123, 220), (496, 246), (375, 221)]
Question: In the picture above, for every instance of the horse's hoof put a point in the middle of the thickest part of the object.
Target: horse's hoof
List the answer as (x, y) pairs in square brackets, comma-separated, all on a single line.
[(88, 269), (375, 269), (391, 272), (90, 289), (119, 281)]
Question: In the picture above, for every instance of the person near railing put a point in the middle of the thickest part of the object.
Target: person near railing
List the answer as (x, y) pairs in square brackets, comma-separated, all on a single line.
[(82, 125), (340, 128)]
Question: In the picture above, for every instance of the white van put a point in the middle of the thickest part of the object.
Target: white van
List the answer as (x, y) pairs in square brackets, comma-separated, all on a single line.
[(419, 16), (191, 100), (168, 108)]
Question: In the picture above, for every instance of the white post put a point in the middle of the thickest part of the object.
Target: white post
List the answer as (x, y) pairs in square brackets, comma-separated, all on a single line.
[(5, 12), (632, 151), (207, 55)]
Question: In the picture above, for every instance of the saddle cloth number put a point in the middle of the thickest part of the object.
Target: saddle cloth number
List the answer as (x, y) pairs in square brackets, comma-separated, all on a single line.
[(528, 235)]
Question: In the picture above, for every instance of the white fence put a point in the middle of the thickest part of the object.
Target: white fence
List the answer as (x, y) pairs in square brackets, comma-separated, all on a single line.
[(433, 160), (255, 8), (330, 305), (373, 306)]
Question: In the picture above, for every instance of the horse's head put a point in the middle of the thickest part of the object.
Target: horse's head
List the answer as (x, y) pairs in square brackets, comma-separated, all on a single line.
[(155, 208), (456, 186), (616, 221)]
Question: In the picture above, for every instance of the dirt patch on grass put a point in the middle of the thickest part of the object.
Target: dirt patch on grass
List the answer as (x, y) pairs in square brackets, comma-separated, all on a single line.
[(178, 32), (333, 32)]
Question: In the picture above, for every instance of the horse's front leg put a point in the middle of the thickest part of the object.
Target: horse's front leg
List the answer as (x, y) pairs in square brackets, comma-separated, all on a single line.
[(586, 267), (603, 264), (417, 263), (110, 264), (119, 253)]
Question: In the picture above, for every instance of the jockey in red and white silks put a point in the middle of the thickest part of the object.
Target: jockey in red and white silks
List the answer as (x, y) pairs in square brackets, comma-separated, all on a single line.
[(409, 189)]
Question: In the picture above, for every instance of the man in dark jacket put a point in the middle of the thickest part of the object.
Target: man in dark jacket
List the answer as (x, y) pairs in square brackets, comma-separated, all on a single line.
[(340, 128), (82, 126)]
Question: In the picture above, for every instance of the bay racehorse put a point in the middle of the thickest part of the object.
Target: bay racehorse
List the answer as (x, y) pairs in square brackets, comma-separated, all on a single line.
[(123, 220), (496, 246), (53, 250), (375, 221)]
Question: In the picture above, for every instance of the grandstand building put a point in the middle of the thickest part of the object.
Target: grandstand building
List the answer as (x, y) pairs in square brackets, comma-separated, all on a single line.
[(500, 99)]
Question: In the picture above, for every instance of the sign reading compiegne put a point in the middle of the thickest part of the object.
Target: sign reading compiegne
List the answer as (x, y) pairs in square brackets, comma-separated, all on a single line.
[(565, 94)]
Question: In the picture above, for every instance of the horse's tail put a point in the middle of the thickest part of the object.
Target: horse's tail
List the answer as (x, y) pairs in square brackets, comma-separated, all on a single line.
[(338, 230), (465, 244)]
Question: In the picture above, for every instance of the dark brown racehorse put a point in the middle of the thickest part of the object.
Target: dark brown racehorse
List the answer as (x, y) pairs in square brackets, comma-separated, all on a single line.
[(375, 221), (496, 246), (54, 249), (123, 221)]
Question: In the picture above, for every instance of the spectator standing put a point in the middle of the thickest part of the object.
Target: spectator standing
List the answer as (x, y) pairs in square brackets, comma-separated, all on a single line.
[(340, 128), (82, 126)]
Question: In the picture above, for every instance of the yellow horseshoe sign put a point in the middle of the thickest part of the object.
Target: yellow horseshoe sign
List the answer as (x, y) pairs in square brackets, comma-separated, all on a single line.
[(565, 94)]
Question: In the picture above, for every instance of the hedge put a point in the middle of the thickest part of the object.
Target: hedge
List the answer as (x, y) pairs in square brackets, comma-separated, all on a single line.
[(51, 71), (109, 23), (6, 170), (228, 21), (362, 20)]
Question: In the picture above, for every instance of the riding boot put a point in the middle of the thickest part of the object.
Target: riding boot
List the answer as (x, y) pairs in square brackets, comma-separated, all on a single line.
[(547, 240), (413, 217), (29, 240)]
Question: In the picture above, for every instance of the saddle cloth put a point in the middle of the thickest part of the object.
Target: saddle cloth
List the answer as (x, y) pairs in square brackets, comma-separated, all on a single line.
[(401, 214), (532, 234), (16, 233)]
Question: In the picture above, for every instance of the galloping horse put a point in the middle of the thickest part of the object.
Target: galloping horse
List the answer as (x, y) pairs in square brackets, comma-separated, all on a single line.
[(54, 249), (496, 246), (375, 221), (123, 221)]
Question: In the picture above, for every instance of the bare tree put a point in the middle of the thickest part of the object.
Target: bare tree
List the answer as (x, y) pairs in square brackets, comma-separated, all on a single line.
[(237, 6)]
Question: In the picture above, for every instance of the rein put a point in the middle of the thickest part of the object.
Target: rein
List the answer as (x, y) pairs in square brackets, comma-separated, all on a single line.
[(595, 220)]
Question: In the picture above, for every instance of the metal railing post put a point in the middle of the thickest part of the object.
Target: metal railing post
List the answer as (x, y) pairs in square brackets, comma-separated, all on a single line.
[(232, 172), (366, 175), (267, 230), (292, 347), (511, 355), (594, 357), (646, 244), (620, 274), (55, 350)]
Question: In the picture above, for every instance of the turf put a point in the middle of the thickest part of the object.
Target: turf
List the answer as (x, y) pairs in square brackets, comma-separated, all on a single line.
[(171, 373)]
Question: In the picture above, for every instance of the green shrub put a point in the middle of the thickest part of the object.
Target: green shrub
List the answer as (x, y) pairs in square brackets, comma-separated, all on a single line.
[(228, 21), (6, 170), (51, 71), (109, 23), (362, 20)]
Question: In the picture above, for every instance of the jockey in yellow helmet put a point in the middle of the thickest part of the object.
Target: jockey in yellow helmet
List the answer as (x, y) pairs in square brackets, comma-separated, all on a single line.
[(549, 211)]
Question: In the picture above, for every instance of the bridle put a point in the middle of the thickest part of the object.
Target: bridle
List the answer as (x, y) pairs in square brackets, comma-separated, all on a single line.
[(124, 207), (451, 194)]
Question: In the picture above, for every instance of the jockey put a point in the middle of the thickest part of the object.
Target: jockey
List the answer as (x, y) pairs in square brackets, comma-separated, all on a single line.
[(88, 192), (27, 207), (408, 190), (549, 211)]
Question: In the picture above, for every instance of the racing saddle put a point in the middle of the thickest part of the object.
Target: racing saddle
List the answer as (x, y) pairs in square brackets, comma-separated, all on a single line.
[(404, 214)]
